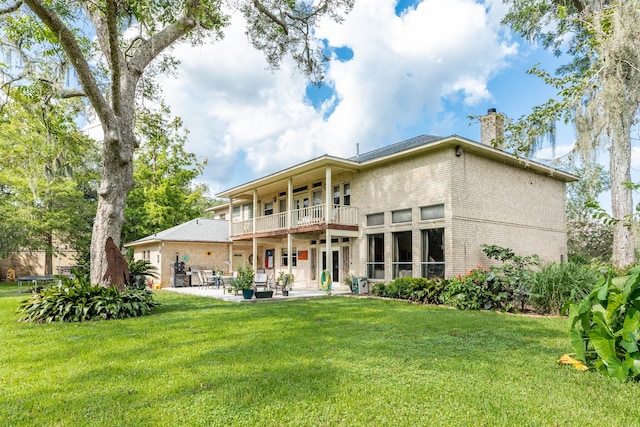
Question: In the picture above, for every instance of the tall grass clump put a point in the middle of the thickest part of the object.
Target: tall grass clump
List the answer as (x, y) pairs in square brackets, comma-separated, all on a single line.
[(558, 284)]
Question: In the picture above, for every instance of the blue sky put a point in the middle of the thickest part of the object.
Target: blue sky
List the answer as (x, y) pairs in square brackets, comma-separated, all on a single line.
[(400, 69)]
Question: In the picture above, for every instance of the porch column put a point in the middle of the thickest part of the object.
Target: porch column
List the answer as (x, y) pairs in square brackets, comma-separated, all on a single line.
[(289, 202), (329, 255), (230, 214), (328, 195), (253, 225), (289, 255)]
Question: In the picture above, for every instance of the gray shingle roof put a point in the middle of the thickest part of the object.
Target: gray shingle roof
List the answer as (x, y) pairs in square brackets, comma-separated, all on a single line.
[(396, 148), (196, 230)]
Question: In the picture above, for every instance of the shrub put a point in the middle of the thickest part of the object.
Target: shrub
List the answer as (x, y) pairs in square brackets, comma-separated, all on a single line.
[(76, 300), (555, 285), (605, 326), (416, 289), (473, 291), (139, 270), (378, 288), (427, 291), (399, 288)]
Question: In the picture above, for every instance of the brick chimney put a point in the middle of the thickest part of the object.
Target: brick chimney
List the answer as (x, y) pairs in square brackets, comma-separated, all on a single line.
[(492, 129)]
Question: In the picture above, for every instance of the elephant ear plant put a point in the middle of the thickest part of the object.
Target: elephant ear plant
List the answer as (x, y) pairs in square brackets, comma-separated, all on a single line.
[(605, 326)]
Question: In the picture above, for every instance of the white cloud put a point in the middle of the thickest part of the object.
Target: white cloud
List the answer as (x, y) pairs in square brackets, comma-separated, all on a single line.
[(249, 121)]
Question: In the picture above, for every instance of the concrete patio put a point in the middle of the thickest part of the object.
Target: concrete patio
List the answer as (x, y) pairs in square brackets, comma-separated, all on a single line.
[(221, 294)]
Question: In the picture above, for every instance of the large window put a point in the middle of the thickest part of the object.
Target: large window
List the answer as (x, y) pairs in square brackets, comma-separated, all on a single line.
[(402, 257), (336, 195), (375, 256), (284, 260), (432, 258)]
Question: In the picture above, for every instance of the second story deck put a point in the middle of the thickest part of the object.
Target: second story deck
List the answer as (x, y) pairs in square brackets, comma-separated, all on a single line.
[(312, 218)]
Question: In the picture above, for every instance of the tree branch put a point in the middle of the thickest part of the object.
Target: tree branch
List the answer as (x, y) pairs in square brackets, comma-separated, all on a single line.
[(272, 17), (115, 56), (77, 58), (72, 93), (149, 49), (11, 8)]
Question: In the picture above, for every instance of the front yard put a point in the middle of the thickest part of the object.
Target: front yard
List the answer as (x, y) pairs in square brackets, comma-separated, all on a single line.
[(328, 361)]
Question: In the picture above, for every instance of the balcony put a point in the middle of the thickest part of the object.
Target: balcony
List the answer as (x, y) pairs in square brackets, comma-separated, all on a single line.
[(305, 219)]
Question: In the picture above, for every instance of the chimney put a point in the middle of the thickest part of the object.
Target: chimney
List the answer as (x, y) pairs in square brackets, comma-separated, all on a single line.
[(492, 129)]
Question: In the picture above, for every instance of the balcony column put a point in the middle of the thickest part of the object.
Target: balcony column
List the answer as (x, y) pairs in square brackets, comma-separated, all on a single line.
[(328, 195), (289, 254), (230, 219), (289, 203), (253, 226), (230, 216)]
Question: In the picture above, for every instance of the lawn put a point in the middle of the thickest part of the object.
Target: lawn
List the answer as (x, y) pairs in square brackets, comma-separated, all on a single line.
[(327, 361)]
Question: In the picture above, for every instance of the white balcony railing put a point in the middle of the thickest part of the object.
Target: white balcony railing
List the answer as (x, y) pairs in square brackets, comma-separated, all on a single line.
[(313, 215)]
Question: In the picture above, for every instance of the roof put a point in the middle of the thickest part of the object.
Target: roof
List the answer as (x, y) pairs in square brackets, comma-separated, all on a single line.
[(313, 168), (197, 230), (396, 148)]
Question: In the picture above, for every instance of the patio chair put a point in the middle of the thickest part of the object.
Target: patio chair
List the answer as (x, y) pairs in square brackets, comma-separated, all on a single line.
[(260, 280), (209, 280), (275, 285)]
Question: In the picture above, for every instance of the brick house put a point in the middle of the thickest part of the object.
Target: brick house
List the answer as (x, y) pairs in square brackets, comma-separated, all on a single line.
[(422, 207)]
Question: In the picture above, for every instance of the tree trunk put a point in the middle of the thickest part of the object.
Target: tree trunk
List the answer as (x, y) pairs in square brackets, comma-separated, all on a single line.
[(621, 195), (117, 181), (48, 255)]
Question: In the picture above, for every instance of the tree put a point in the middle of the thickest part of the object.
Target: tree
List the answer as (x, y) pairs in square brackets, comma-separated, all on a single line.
[(164, 194), (50, 36), (43, 199), (587, 237), (599, 89)]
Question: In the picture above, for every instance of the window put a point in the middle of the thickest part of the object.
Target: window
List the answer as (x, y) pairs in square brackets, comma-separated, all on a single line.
[(284, 260), (336, 195), (375, 219), (402, 256), (316, 198), (268, 208), (401, 216), (236, 214), (346, 199), (432, 258), (282, 205), (432, 212), (375, 256)]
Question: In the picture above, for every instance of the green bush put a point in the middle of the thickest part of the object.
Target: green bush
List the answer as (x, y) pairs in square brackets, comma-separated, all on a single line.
[(473, 291), (139, 270), (399, 288), (378, 288), (605, 326), (416, 289), (555, 285), (76, 300)]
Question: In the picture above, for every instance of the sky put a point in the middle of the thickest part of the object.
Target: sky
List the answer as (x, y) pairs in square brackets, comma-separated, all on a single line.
[(399, 69)]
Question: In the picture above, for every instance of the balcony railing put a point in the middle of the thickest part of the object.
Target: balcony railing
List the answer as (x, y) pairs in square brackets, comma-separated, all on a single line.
[(313, 215)]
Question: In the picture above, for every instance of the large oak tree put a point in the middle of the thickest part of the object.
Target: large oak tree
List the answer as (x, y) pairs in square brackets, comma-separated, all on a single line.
[(598, 88), (111, 44)]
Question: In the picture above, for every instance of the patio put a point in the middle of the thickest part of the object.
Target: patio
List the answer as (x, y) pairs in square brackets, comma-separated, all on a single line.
[(219, 293)]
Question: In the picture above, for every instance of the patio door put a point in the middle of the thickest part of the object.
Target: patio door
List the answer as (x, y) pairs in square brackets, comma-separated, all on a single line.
[(335, 264)]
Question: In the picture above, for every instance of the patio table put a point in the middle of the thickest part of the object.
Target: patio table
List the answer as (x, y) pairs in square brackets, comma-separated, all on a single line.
[(35, 280)]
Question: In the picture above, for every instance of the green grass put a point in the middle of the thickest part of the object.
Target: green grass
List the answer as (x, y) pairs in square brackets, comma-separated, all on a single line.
[(321, 362)]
